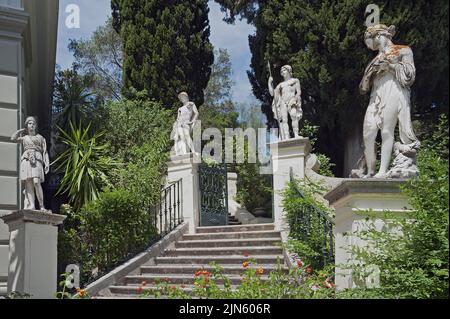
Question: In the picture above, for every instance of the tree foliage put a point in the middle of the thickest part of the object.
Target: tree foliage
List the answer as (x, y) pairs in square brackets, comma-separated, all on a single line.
[(218, 110), (101, 57), (323, 41), (166, 47)]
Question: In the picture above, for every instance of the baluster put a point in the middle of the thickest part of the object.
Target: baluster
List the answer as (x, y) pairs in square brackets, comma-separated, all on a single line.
[(160, 215), (165, 211), (170, 208), (179, 202)]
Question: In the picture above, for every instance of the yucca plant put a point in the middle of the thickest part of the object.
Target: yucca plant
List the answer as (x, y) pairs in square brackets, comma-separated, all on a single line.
[(84, 164)]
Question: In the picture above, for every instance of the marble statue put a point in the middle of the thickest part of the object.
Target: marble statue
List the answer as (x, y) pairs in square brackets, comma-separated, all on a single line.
[(287, 102), (388, 77), (183, 127), (34, 163)]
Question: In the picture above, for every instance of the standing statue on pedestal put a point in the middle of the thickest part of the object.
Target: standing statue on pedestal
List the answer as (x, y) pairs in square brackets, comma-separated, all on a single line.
[(389, 77), (34, 163), (183, 127), (287, 100)]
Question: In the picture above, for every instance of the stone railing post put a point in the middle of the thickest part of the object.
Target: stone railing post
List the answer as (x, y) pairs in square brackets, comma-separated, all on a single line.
[(352, 200), (185, 167), (286, 155), (33, 253)]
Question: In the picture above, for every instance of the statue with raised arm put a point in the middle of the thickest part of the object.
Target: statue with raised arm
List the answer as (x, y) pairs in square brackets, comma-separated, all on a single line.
[(287, 102), (183, 127), (389, 77), (34, 163)]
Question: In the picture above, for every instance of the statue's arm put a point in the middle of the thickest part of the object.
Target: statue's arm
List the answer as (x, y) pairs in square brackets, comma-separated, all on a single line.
[(298, 90), (405, 69), (196, 114), (16, 138), (271, 89), (45, 156)]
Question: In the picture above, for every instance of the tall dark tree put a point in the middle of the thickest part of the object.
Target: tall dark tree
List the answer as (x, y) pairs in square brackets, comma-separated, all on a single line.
[(166, 47), (323, 41)]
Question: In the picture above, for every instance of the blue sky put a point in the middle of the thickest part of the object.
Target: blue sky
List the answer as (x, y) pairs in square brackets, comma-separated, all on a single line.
[(234, 38)]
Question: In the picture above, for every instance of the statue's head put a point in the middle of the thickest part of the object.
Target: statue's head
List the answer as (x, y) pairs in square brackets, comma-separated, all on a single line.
[(183, 97), (378, 35), (31, 124), (286, 71)]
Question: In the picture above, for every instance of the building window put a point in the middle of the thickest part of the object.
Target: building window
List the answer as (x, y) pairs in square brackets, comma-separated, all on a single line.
[(11, 3)]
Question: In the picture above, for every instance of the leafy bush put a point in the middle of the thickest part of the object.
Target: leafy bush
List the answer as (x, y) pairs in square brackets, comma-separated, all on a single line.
[(111, 229), (414, 263), (254, 190), (307, 233)]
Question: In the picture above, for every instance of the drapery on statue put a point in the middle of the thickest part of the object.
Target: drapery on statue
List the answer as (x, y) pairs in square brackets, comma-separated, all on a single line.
[(389, 76), (34, 163), (182, 128), (287, 100)]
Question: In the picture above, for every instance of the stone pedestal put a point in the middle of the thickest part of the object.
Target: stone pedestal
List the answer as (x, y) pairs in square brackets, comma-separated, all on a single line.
[(352, 200), (185, 167), (286, 156), (33, 253)]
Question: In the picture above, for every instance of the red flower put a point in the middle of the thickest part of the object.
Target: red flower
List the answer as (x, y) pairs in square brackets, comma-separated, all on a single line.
[(139, 290), (245, 264), (260, 271), (144, 283), (309, 270), (246, 254), (299, 263)]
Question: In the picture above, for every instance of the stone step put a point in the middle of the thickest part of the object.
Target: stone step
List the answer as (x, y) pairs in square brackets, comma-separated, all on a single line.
[(179, 279), (234, 235), (231, 259), (240, 228), (206, 251), (121, 290), (234, 223), (253, 242), (192, 269)]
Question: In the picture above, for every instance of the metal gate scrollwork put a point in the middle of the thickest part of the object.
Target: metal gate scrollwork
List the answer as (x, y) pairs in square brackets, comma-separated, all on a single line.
[(213, 195)]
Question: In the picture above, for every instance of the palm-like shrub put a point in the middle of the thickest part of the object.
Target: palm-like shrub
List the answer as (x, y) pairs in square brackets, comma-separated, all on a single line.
[(84, 164)]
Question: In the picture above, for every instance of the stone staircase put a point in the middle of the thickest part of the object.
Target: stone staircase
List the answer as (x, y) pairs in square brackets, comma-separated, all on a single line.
[(228, 246)]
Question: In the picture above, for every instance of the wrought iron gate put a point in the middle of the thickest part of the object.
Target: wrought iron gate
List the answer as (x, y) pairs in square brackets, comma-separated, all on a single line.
[(213, 195)]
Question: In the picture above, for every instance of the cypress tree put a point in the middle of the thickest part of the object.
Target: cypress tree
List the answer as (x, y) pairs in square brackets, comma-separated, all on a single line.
[(166, 47), (323, 42)]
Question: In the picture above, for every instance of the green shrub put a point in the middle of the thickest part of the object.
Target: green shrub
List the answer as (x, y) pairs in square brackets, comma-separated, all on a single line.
[(114, 228), (307, 233)]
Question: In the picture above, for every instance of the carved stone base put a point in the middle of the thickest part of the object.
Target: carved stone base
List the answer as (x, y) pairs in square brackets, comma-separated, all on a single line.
[(33, 252), (352, 199)]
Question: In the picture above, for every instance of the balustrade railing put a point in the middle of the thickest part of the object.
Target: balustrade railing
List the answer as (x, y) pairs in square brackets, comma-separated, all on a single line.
[(314, 227)]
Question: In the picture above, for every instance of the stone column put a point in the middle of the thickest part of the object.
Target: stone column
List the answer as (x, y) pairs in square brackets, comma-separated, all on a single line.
[(286, 155), (351, 199), (33, 252), (185, 167)]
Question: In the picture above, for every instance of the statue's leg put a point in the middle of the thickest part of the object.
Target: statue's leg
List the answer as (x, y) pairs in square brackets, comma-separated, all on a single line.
[(387, 135), (188, 139), (39, 193), (370, 135), (285, 123), (295, 126), (29, 195)]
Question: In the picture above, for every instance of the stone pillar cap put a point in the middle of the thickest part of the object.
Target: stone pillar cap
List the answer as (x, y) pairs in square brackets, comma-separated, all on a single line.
[(364, 186), (33, 216)]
